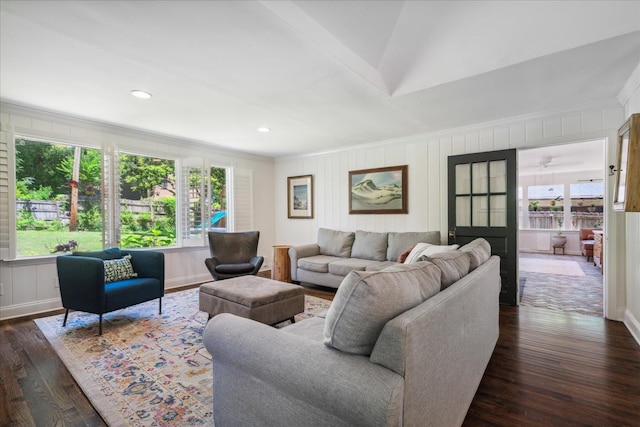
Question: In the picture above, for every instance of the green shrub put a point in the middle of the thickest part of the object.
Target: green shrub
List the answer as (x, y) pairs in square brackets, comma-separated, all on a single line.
[(23, 192), (144, 221), (128, 222), (25, 220), (56, 225), (90, 219), (168, 205)]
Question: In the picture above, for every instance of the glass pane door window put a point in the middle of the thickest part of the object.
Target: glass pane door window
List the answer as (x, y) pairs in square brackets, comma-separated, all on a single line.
[(481, 194)]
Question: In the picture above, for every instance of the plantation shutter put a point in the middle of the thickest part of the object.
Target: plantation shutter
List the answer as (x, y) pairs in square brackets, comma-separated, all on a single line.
[(110, 197), (194, 214), (5, 210), (242, 200)]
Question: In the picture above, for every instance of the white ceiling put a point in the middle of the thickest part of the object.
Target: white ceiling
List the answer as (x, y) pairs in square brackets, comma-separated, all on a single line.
[(582, 157), (321, 74)]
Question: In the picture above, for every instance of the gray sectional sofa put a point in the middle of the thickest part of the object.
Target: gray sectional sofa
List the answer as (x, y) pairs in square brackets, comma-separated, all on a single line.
[(337, 253), (405, 346)]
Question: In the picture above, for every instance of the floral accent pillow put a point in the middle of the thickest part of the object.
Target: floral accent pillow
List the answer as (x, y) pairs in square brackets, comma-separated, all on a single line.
[(118, 269)]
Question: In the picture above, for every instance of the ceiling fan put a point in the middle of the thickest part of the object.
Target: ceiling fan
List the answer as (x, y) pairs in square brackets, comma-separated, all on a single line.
[(547, 161)]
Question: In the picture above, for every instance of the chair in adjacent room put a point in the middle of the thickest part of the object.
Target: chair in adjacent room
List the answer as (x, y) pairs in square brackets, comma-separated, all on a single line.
[(233, 254), (586, 242), (104, 281)]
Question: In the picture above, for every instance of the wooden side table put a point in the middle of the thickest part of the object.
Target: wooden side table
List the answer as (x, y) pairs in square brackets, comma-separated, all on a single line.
[(281, 269), (264, 272)]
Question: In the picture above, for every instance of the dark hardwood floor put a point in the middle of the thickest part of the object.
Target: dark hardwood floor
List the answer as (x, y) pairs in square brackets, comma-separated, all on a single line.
[(549, 369)]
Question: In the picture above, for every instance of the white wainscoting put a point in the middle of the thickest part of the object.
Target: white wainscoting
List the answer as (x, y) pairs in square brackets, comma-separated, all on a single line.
[(31, 286), (426, 157)]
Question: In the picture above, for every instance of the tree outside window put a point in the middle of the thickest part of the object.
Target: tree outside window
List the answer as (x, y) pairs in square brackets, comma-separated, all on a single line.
[(57, 197), (147, 201)]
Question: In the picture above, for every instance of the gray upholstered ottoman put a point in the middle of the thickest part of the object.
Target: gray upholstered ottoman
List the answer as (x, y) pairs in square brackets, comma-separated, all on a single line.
[(264, 300)]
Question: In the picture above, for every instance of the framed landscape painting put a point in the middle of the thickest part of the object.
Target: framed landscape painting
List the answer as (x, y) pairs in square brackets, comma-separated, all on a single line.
[(300, 196), (378, 190)]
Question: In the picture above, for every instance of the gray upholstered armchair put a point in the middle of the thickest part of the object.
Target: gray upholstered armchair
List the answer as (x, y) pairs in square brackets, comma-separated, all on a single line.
[(233, 254), (103, 281)]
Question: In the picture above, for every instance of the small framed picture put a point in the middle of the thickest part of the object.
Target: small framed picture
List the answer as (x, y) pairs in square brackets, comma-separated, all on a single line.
[(300, 196), (378, 191)]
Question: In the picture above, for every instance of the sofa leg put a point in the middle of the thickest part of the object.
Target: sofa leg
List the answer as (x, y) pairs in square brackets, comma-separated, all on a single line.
[(160, 305), (66, 314), (100, 325), (293, 319)]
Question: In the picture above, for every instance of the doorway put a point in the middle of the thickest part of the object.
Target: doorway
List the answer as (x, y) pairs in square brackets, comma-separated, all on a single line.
[(561, 203)]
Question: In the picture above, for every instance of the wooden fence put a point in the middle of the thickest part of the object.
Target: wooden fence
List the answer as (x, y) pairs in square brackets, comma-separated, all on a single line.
[(50, 210)]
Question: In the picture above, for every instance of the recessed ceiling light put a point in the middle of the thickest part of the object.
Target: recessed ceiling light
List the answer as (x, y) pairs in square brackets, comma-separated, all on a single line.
[(141, 94), (263, 129)]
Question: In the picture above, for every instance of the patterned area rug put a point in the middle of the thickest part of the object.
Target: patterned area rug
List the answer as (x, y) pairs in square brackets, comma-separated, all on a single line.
[(561, 292), (550, 266), (146, 369)]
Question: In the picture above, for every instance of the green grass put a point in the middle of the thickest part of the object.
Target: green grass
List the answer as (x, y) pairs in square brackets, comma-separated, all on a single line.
[(43, 242)]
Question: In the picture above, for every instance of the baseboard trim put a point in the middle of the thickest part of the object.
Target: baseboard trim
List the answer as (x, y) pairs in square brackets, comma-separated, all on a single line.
[(38, 307), (28, 309), (187, 280), (633, 325)]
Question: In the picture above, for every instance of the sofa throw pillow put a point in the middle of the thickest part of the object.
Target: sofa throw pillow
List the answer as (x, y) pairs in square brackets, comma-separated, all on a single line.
[(403, 256), (399, 241), (335, 243), (426, 249), (118, 269), (479, 251), (366, 301), (453, 265), (369, 245)]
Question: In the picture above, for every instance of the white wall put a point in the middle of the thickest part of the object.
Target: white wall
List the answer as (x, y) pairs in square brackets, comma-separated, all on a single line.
[(630, 97), (426, 156), (30, 285)]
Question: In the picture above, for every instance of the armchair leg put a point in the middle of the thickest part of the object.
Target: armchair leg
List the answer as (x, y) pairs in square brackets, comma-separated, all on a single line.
[(66, 314), (100, 326), (160, 305)]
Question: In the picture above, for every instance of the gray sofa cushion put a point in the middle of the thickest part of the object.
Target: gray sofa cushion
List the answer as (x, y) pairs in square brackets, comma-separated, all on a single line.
[(335, 243), (479, 251), (454, 265), (370, 245), (317, 263), (366, 301), (380, 265), (345, 265), (400, 242)]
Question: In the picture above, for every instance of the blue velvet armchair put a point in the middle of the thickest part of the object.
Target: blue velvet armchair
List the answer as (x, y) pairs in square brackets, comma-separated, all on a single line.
[(83, 287)]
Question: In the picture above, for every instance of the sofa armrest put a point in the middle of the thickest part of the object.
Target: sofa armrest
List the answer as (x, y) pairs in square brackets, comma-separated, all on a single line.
[(81, 281), (256, 261), (297, 252), (266, 376)]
